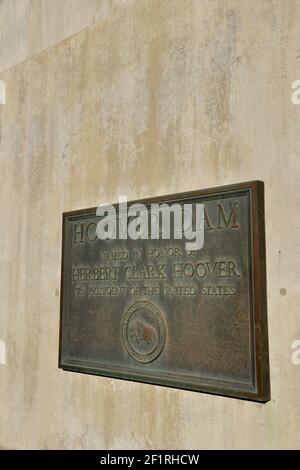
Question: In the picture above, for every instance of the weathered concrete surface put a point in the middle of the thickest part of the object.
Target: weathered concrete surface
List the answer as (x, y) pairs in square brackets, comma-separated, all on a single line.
[(163, 96), (27, 27)]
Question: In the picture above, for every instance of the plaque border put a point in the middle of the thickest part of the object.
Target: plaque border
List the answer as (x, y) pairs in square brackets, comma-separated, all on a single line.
[(259, 388)]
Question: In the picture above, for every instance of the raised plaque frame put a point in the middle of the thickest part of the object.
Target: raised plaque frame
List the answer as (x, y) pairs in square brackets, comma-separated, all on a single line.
[(258, 389)]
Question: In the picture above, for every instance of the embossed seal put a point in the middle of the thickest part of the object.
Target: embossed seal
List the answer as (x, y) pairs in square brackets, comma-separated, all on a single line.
[(144, 331)]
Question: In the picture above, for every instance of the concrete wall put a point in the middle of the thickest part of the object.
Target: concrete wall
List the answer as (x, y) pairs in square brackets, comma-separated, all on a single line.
[(157, 97), (29, 26)]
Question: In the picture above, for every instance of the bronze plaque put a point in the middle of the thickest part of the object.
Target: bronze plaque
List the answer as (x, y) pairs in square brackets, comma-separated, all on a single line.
[(152, 311)]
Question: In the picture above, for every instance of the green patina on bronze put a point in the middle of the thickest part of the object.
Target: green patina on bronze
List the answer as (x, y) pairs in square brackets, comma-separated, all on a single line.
[(152, 311)]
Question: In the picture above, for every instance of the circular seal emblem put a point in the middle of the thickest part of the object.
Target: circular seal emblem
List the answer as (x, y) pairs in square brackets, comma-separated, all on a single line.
[(144, 331)]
